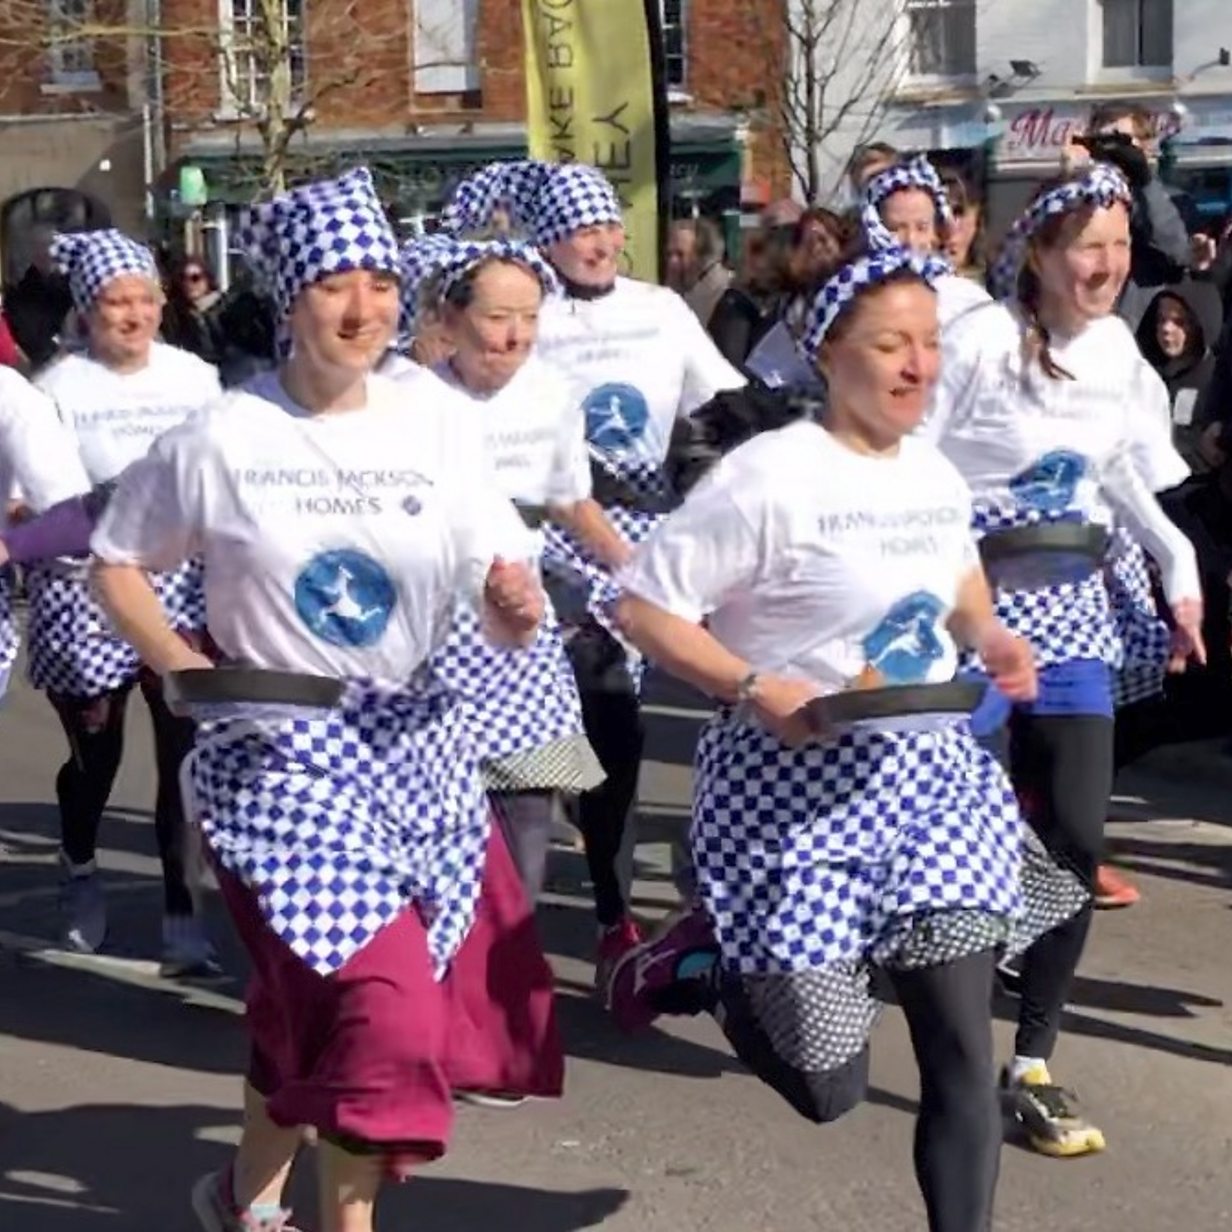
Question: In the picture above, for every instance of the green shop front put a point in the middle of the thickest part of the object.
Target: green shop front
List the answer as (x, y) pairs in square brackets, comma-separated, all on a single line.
[(416, 174)]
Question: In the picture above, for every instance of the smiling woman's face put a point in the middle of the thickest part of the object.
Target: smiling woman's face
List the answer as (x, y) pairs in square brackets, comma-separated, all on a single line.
[(346, 320)]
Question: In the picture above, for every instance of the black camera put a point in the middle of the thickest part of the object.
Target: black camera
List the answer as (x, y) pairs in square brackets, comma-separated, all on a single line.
[(1119, 151)]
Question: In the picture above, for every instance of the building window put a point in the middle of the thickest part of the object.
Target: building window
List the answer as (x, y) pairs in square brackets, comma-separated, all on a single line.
[(251, 50), (446, 47), (71, 55), (674, 18), (1137, 33), (941, 38)]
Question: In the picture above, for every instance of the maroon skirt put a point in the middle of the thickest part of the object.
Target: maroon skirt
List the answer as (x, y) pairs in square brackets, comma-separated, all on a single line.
[(373, 1053)]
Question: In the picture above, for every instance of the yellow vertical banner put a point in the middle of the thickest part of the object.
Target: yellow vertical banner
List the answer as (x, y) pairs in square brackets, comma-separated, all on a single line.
[(593, 96)]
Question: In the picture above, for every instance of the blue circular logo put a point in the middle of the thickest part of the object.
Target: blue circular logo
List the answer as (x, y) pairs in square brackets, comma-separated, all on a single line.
[(1049, 483), (905, 644), (345, 597), (616, 416)]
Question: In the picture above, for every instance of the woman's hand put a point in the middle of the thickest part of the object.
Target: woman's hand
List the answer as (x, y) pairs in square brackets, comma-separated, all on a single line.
[(514, 598), (1009, 661), (1187, 640), (778, 702)]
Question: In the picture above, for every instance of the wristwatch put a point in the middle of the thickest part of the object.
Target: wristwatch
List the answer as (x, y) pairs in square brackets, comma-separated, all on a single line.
[(747, 687)]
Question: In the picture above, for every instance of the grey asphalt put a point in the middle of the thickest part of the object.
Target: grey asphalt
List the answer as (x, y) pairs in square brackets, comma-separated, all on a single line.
[(116, 1091)]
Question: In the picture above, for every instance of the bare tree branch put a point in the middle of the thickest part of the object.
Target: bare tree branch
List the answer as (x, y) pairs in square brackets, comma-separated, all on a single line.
[(842, 59), (267, 78)]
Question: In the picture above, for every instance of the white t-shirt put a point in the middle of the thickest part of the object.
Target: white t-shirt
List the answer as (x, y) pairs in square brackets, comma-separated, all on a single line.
[(532, 427), (637, 360), (957, 296), (116, 416), (396, 366), (333, 544), (813, 560), (38, 456), (1021, 439)]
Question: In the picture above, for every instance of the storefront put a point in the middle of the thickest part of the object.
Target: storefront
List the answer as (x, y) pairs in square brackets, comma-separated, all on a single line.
[(416, 174)]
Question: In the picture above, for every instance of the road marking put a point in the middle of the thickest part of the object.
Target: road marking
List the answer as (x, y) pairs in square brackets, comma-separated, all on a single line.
[(676, 712)]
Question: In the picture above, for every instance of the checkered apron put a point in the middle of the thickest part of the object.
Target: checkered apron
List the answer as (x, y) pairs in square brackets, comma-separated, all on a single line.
[(72, 647), (1145, 639), (8, 626), (807, 858), (1064, 623), (568, 561), (901, 849), (340, 822), (516, 702)]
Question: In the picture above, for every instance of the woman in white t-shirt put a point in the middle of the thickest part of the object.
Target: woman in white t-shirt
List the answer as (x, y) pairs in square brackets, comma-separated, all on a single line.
[(391, 943), (116, 397), (1041, 406), (39, 458), (908, 202), (637, 360), (826, 556), (483, 301)]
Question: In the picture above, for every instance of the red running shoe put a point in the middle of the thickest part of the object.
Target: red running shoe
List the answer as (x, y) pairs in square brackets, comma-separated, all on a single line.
[(684, 949), (1112, 890), (615, 941)]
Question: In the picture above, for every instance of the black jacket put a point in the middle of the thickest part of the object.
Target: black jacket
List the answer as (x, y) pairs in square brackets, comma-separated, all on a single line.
[(727, 420), (1188, 376)]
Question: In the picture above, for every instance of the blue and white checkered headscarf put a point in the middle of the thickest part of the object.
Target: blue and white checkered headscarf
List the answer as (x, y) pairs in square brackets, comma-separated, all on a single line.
[(1102, 186), (550, 201), (438, 263), (846, 286), (421, 258), (330, 227), (91, 259), (919, 174)]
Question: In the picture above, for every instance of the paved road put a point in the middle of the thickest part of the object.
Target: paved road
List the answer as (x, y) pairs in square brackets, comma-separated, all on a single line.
[(115, 1092)]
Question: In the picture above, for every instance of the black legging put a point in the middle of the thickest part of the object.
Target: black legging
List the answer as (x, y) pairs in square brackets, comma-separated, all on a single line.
[(611, 715), (95, 730), (1063, 764), (958, 1129)]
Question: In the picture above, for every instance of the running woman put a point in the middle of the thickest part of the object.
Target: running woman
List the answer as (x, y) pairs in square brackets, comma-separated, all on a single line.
[(909, 202), (485, 297), (116, 397), (39, 458), (1039, 406), (830, 555), (637, 360), (393, 955)]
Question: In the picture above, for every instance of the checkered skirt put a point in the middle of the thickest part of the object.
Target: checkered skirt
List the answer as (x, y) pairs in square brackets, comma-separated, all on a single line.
[(8, 626), (1145, 639), (1064, 623), (810, 858), (73, 649), (516, 701), (340, 823)]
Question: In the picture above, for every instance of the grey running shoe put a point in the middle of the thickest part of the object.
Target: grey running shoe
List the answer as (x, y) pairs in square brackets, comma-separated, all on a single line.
[(215, 1210), (187, 952), (83, 913)]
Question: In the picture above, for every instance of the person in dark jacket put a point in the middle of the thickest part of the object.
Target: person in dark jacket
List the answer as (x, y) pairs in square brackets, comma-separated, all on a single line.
[(1120, 134), (37, 306), (1177, 336)]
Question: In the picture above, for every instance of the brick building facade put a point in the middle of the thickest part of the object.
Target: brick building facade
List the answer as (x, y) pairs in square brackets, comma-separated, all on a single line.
[(423, 90)]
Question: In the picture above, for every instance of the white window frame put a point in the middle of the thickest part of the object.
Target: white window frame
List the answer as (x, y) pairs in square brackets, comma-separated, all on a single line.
[(445, 46), (677, 91), (912, 78), (1132, 72), (67, 72), (230, 104)]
